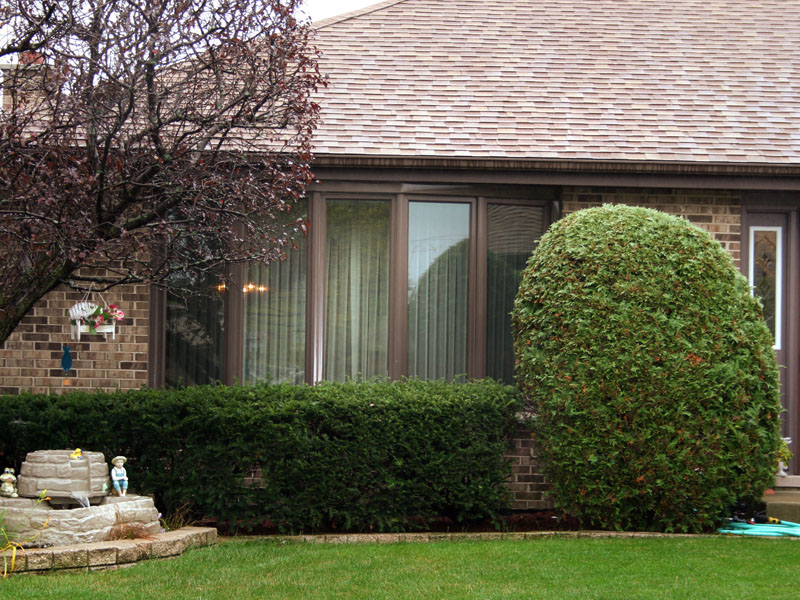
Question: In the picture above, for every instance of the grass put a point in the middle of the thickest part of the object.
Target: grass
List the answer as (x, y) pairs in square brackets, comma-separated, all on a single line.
[(556, 567)]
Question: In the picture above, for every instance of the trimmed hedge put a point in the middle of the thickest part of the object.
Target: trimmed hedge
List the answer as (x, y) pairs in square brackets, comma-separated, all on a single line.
[(649, 369), (355, 456)]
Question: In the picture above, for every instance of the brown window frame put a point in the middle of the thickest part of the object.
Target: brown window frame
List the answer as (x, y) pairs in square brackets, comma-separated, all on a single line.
[(400, 195)]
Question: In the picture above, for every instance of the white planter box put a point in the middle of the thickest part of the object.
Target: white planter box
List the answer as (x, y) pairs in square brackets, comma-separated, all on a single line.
[(77, 330)]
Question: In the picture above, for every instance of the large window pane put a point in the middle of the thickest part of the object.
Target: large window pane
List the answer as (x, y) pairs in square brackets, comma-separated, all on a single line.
[(275, 319), (438, 266), (513, 232), (195, 344), (357, 289)]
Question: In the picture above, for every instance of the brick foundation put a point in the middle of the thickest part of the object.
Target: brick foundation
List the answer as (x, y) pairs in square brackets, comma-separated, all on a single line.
[(526, 483)]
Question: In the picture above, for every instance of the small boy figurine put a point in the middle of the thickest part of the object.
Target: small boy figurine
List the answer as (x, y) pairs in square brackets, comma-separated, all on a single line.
[(119, 476)]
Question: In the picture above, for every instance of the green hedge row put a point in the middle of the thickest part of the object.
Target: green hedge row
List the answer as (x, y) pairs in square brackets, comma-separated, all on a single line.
[(356, 456)]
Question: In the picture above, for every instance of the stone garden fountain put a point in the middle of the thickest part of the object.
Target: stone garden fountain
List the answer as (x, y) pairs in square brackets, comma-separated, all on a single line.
[(79, 508)]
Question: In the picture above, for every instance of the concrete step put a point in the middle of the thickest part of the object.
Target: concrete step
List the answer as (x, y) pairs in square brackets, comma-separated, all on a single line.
[(783, 505)]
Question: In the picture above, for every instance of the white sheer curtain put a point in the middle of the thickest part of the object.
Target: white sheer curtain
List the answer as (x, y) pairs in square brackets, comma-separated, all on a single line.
[(274, 328), (438, 267), (357, 289), (275, 320)]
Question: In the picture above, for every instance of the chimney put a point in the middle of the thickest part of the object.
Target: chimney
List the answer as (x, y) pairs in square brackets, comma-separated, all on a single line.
[(30, 57), (22, 82)]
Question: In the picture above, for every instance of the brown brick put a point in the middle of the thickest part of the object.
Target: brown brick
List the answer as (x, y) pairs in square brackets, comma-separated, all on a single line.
[(64, 305), (140, 296), (52, 346), (728, 237), (528, 496), (60, 373), (107, 384), (35, 337), (38, 372), (136, 366), (34, 320), (98, 365)]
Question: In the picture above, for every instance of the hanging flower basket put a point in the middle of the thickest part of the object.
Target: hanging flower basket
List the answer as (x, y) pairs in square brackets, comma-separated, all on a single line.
[(88, 317)]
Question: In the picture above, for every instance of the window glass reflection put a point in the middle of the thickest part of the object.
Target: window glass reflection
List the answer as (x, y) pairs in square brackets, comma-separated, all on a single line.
[(438, 266)]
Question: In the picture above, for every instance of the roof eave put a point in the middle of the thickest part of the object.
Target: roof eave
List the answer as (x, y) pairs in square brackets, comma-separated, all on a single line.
[(617, 167)]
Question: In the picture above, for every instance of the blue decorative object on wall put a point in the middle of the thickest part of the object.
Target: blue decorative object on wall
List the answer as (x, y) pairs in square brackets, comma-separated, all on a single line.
[(66, 360)]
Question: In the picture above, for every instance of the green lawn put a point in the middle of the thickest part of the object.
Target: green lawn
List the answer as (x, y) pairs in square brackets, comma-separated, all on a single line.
[(563, 567)]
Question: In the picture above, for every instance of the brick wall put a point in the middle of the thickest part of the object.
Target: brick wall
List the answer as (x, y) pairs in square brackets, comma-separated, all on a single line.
[(526, 483), (716, 211), (31, 357)]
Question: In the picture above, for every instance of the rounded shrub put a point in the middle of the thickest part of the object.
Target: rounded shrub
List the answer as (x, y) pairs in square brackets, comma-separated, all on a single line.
[(649, 371)]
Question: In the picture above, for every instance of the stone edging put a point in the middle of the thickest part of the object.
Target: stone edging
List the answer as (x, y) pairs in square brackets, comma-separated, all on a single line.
[(125, 553), (391, 538), (97, 556)]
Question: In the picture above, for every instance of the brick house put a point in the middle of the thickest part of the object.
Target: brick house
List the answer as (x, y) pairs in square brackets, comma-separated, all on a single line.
[(453, 133)]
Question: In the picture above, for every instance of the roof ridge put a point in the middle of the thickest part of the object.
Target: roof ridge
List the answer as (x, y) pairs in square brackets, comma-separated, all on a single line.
[(355, 13)]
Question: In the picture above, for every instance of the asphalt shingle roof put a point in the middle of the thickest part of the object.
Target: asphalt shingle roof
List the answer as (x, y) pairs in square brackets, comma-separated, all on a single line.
[(662, 80)]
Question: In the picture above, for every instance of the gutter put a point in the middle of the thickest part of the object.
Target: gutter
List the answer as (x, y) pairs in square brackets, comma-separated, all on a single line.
[(643, 167)]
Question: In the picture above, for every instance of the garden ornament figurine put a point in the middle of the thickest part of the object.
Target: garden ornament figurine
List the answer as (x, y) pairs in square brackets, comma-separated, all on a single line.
[(66, 360), (77, 454), (7, 483), (119, 476), (784, 458)]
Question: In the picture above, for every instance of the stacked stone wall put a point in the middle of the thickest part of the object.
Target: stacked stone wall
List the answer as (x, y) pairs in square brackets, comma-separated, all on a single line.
[(30, 359), (112, 517)]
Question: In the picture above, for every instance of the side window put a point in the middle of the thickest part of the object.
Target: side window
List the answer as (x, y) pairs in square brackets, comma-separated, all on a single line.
[(195, 336), (513, 231), (357, 289), (274, 315), (438, 280), (765, 262)]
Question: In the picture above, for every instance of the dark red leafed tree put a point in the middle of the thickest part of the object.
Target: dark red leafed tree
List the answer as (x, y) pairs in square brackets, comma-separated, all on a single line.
[(140, 139)]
